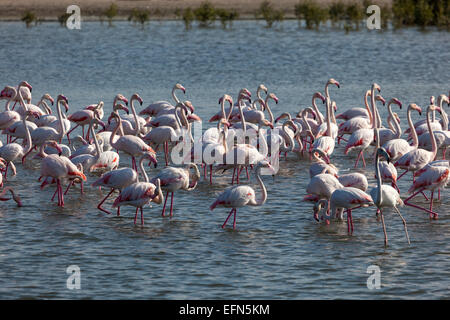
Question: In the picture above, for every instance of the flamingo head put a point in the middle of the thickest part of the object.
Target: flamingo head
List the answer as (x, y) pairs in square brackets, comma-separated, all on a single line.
[(226, 97), (246, 92), (178, 86), (225, 122), (263, 88), (333, 81), (55, 145), (26, 84), (318, 206), (138, 98), (62, 97), (151, 156), (267, 123), (397, 102), (414, 106), (333, 106), (320, 96), (273, 97), (49, 98), (189, 105), (121, 106), (193, 118), (2, 163), (17, 199), (380, 98), (376, 86), (396, 116)]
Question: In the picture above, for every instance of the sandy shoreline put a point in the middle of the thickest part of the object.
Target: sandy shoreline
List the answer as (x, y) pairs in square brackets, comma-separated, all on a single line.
[(49, 10)]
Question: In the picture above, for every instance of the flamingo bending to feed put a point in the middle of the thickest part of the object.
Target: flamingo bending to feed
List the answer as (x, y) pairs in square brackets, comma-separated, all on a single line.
[(120, 179), (431, 177), (173, 179), (58, 168), (15, 197), (385, 196), (139, 194), (239, 196), (348, 198)]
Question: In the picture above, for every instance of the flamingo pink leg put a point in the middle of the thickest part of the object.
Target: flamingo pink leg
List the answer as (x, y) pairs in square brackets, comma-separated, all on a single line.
[(142, 216), (384, 229), (402, 174), (231, 212), (433, 214), (70, 131), (165, 202), (171, 205), (234, 219), (135, 216), (99, 206), (210, 173)]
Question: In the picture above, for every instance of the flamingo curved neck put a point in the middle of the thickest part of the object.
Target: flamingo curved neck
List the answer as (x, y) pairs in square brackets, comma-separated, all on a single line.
[(266, 104), (397, 129), (412, 129), (137, 130), (29, 144), (316, 109), (263, 188), (432, 137), (378, 176), (175, 98), (366, 103), (141, 168)]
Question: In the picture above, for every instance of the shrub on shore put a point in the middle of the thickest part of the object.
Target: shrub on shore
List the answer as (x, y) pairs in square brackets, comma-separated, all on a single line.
[(141, 16), (226, 17), (205, 14), (312, 13), (111, 12), (62, 19), (29, 17), (269, 13)]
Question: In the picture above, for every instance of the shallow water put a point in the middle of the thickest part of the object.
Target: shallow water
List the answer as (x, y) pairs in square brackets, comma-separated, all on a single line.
[(278, 250)]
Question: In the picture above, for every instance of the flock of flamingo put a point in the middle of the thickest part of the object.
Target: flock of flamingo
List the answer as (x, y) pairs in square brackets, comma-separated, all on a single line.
[(35, 128)]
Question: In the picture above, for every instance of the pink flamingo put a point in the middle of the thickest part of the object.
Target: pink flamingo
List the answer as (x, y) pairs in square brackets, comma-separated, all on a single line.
[(385, 196), (173, 179), (139, 194), (154, 108), (58, 168), (130, 144), (398, 147), (239, 196), (120, 179), (362, 138), (416, 159), (25, 91), (42, 134), (326, 143), (348, 198), (15, 197)]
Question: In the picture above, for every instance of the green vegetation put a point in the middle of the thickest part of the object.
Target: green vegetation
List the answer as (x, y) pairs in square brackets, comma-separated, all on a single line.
[(62, 19), (111, 13), (269, 13), (226, 17), (354, 14), (205, 14), (29, 17), (141, 16), (188, 17), (312, 13), (421, 13)]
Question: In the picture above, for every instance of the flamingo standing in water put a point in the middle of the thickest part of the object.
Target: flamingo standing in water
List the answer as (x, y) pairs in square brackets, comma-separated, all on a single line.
[(130, 144), (120, 179), (239, 196), (385, 196), (154, 108), (398, 147), (139, 194), (416, 159), (42, 134), (326, 143), (348, 198), (362, 138), (58, 168), (173, 179)]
